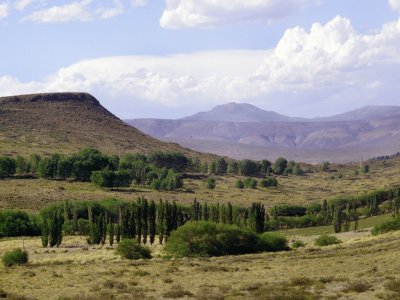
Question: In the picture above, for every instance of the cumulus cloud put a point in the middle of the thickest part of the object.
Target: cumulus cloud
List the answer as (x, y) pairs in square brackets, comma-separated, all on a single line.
[(23, 4), (395, 5), (320, 71), (139, 2), (82, 10), (209, 13), (4, 10)]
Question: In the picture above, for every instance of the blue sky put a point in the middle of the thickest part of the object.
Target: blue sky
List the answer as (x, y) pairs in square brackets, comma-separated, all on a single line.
[(172, 58)]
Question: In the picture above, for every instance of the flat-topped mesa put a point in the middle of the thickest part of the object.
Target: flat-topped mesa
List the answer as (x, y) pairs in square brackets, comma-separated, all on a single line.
[(52, 97)]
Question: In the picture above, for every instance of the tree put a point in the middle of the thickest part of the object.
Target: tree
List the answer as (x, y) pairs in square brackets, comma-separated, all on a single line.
[(249, 168), (250, 183), (152, 221), (34, 161), (111, 230), (257, 217), (21, 165), (160, 221), (7, 167), (45, 232), (212, 169), (145, 220), (280, 166), (233, 168), (265, 168), (210, 183), (221, 167)]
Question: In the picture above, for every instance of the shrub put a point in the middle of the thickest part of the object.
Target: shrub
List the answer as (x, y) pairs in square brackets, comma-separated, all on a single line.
[(388, 226), (273, 242), (250, 183), (288, 210), (131, 249), (211, 239), (17, 223), (269, 182), (7, 167), (239, 184), (15, 257), (326, 240), (298, 244), (210, 183)]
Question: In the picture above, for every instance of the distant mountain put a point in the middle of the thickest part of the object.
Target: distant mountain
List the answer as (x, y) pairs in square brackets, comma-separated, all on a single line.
[(67, 122), (239, 112), (372, 112), (245, 131)]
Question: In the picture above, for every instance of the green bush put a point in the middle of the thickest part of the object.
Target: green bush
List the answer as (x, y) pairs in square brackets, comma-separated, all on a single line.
[(7, 167), (250, 183), (210, 239), (269, 182), (326, 240), (273, 242), (210, 183), (239, 184), (15, 257), (298, 244), (131, 249), (18, 223), (388, 226)]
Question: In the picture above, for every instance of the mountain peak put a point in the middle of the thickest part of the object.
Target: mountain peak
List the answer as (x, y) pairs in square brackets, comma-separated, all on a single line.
[(238, 112)]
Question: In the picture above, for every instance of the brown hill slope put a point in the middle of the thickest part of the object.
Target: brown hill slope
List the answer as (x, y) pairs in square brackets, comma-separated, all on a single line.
[(67, 122)]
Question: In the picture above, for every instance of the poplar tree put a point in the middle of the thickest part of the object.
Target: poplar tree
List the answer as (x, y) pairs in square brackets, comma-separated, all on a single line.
[(152, 221), (111, 232), (118, 235), (45, 232), (139, 221), (230, 213), (145, 220), (160, 221)]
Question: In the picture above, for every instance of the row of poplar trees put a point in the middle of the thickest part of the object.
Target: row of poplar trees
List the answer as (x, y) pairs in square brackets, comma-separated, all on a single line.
[(143, 220)]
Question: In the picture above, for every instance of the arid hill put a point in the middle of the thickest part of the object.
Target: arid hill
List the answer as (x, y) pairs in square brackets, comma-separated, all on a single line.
[(67, 122)]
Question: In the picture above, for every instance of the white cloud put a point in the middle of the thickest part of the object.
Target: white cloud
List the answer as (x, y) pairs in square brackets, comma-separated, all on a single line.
[(209, 13), (395, 5), (139, 2), (22, 4), (4, 10), (81, 10), (322, 71)]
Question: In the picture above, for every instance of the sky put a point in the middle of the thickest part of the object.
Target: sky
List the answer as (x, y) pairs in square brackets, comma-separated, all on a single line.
[(173, 58)]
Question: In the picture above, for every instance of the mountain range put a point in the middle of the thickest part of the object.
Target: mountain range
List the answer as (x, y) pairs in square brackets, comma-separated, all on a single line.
[(241, 130)]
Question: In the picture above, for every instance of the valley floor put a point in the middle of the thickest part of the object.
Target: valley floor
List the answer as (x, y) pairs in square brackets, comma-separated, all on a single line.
[(33, 194), (363, 267)]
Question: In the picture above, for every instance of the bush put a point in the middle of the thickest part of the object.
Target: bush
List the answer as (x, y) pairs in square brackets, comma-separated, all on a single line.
[(210, 183), (273, 242), (15, 257), (298, 244), (250, 183), (387, 226), (7, 167), (239, 184), (210, 239), (288, 210), (326, 240), (131, 249), (269, 182), (17, 223)]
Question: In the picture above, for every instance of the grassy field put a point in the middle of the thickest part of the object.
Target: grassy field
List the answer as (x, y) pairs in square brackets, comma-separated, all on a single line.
[(363, 267), (33, 194), (363, 224)]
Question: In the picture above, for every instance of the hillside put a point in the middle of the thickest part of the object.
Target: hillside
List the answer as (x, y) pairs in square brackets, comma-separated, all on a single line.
[(368, 132), (66, 122)]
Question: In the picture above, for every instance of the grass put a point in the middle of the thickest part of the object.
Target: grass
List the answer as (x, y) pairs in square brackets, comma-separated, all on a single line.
[(359, 266), (311, 231)]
